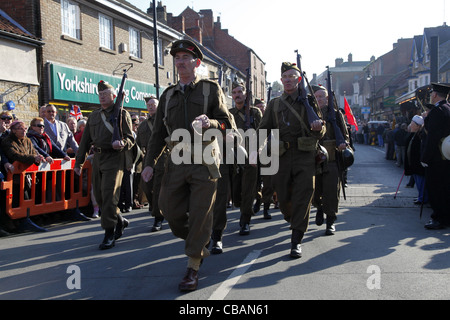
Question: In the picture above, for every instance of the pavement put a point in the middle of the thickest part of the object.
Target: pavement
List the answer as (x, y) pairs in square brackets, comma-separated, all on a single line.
[(381, 251)]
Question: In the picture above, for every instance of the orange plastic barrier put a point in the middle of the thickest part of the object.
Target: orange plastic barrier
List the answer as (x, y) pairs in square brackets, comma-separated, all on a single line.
[(50, 188)]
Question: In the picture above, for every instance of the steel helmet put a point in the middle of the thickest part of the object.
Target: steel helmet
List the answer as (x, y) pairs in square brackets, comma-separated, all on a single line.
[(445, 148), (348, 157)]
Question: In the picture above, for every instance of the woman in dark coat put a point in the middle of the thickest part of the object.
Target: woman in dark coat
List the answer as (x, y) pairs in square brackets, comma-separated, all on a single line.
[(412, 158), (42, 142), (49, 150)]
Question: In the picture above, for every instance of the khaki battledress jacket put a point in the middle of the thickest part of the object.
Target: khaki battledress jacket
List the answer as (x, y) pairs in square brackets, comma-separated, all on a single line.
[(294, 182), (108, 164), (188, 190)]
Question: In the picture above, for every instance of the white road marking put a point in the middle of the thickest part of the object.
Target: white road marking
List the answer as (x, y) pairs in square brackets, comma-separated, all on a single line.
[(234, 277)]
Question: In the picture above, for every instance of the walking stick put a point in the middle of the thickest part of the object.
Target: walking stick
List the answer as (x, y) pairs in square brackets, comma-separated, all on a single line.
[(395, 197)]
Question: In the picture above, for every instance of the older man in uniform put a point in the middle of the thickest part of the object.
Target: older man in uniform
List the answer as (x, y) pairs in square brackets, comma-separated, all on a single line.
[(244, 181), (294, 182), (328, 181), (437, 172), (152, 187), (109, 161), (188, 188)]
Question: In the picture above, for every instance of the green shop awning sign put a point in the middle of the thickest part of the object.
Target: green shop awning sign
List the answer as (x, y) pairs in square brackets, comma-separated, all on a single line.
[(77, 85)]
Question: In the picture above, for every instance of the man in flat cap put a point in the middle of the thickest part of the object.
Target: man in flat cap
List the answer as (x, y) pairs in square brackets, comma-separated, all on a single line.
[(244, 181), (109, 161), (188, 188), (294, 182), (437, 172)]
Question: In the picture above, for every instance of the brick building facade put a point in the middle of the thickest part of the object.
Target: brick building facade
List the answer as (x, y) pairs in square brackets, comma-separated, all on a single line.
[(19, 80), (202, 27), (86, 41)]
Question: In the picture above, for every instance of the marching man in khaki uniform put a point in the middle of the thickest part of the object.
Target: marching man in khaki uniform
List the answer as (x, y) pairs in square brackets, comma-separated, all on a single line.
[(294, 182), (244, 181), (188, 188), (109, 161)]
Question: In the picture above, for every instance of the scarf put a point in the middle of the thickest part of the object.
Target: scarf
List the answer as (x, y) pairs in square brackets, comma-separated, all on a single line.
[(44, 141)]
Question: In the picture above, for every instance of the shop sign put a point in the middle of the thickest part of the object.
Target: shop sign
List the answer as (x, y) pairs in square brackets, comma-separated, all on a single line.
[(365, 110), (75, 85)]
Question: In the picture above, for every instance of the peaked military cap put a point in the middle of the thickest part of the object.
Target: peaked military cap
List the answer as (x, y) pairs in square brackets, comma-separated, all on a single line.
[(285, 66), (441, 87), (186, 46), (103, 85)]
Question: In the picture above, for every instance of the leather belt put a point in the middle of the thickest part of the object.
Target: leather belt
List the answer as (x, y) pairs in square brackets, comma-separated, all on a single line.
[(104, 150)]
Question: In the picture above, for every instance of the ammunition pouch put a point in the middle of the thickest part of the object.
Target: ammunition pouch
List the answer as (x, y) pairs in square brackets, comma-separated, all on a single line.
[(307, 144)]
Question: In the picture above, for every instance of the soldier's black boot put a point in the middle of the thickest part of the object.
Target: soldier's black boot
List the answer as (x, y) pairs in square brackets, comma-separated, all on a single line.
[(157, 225), (122, 223), (109, 240), (267, 215), (319, 216), (331, 229), (296, 239), (217, 246)]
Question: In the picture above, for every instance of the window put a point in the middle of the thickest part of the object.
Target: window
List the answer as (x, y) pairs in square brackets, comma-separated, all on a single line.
[(160, 52), (135, 43), (70, 19), (105, 31)]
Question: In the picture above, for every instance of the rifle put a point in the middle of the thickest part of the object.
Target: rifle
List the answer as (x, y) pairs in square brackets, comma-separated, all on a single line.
[(118, 104), (269, 93), (248, 100), (303, 96), (337, 131)]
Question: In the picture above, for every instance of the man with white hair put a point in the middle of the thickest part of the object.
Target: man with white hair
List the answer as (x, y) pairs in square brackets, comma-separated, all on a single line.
[(109, 161)]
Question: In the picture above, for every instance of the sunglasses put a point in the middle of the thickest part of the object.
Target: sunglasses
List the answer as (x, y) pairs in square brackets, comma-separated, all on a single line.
[(6, 118), (40, 125)]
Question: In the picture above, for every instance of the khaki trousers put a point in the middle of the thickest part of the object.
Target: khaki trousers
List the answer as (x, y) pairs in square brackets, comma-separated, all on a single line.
[(294, 185), (186, 201), (107, 174)]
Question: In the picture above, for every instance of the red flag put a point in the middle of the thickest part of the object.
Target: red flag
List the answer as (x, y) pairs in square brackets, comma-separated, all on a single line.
[(349, 114)]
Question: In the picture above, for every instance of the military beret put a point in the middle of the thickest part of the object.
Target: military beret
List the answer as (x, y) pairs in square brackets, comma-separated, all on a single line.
[(318, 87), (236, 84), (103, 85), (258, 101), (186, 46), (285, 66), (441, 87), (147, 99)]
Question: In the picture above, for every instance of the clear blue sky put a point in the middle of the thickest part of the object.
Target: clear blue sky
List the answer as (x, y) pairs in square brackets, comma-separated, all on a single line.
[(321, 30)]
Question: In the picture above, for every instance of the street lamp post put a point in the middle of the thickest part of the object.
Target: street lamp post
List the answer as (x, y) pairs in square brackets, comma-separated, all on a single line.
[(372, 78), (155, 42)]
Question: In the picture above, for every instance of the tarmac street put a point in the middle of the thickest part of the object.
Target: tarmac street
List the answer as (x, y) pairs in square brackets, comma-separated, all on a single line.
[(381, 250)]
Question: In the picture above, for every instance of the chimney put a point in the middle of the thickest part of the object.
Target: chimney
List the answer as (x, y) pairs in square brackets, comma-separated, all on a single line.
[(338, 62), (177, 23), (218, 24), (195, 32), (350, 58), (161, 13)]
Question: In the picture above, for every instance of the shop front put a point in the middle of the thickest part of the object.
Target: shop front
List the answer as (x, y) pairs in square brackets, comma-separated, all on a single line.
[(72, 87)]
